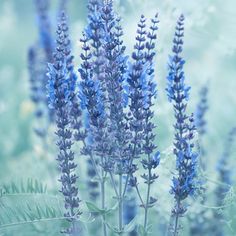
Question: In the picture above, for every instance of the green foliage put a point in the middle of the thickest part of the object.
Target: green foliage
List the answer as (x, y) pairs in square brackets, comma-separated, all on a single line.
[(28, 203), (95, 209), (31, 186)]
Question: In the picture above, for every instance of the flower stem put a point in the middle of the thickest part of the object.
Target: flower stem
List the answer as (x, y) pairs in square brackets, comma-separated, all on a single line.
[(176, 222), (120, 206), (103, 203), (139, 195), (147, 200)]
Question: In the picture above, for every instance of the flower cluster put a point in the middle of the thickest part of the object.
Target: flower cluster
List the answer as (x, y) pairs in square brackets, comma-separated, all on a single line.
[(96, 142), (202, 107), (119, 126), (115, 71), (111, 112), (200, 122), (46, 39), (61, 92), (141, 92), (184, 184), (38, 56)]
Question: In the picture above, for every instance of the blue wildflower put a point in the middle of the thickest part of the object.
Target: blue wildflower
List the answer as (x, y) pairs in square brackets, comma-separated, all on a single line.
[(136, 96), (35, 84), (184, 184), (115, 71), (38, 56), (224, 168), (97, 142), (142, 91), (200, 122), (202, 107), (60, 97), (46, 39)]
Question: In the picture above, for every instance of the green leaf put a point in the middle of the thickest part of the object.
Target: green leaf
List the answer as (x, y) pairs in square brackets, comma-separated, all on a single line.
[(130, 227), (95, 209), (112, 208), (143, 232), (113, 229)]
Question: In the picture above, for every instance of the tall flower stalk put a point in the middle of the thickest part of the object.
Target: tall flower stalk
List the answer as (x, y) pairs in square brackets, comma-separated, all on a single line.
[(94, 35), (96, 143), (201, 125), (225, 177), (223, 166), (115, 71), (200, 119), (142, 91), (60, 93), (149, 89), (39, 55), (184, 183), (94, 100)]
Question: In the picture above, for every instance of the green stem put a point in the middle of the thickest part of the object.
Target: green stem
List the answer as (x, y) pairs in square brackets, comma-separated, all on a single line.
[(114, 185), (103, 204), (176, 226), (94, 163), (139, 195), (147, 201), (120, 206)]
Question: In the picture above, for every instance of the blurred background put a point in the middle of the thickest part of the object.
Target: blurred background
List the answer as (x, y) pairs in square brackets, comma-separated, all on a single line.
[(209, 51)]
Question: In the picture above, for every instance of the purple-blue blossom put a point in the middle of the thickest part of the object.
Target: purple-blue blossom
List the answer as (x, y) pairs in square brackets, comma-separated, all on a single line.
[(60, 94), (184, 183), (200, 112)]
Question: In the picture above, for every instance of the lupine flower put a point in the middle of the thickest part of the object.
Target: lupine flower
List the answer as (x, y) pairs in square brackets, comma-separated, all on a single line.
[(60, 97), (184, 183)]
